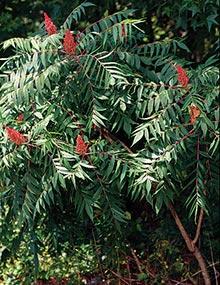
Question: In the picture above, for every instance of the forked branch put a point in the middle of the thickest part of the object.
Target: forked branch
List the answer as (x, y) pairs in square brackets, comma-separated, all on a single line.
[(191, 245)]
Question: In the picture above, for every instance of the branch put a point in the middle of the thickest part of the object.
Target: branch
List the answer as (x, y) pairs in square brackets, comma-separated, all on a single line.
[(125, 278), (119, 276), (139, 264), (199, 226), (136, 260), (191, 132), (183, 232), (110, 137)]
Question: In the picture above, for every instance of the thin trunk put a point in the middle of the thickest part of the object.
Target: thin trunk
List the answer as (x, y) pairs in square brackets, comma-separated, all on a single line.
[(202, 264), (191, 246)]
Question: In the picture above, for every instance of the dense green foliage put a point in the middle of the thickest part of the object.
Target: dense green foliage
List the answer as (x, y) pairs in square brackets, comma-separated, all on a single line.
[(121, 93), (195, 20)]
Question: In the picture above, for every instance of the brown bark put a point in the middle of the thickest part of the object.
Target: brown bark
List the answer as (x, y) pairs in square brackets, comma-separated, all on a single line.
[(199, 226), (191, 244), (202, 265)]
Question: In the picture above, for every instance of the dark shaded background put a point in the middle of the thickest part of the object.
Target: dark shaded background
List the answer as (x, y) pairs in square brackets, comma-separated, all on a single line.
[(196, 20)]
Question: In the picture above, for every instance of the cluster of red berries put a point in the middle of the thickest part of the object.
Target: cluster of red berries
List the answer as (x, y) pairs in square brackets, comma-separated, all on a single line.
[(49, 25), (15, 136), (194, 113), (69, 43), (81, 146), (182, 78)]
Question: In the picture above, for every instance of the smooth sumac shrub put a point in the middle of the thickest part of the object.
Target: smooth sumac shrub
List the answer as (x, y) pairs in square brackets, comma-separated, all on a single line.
[(104, 116)]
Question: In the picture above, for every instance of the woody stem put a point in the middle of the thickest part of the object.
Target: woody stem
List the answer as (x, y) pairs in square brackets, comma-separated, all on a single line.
[(191, 246)]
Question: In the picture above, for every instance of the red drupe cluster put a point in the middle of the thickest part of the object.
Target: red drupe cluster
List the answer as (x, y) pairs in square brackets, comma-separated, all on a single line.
[(69, 43), (15, 136), (49, 25), (81, 146), (183, 79)]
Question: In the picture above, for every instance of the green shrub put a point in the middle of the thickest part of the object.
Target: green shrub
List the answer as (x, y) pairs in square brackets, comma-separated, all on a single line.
[(88, 119)]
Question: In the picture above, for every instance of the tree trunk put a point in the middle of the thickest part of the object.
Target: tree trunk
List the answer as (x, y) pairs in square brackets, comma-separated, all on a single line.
[(191, 246), (202, 264)]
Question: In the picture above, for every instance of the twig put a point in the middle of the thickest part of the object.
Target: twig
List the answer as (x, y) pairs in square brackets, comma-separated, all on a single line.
[(191, 132), (120, 277), (145, 266), (196, 273), (129, 272), (125, 278), (136, 260)]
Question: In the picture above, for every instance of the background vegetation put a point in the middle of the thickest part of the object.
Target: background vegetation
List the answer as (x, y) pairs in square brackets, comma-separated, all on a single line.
[(64, 236)]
